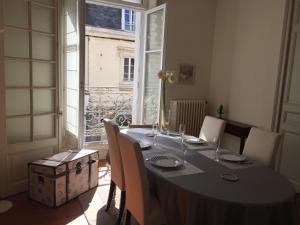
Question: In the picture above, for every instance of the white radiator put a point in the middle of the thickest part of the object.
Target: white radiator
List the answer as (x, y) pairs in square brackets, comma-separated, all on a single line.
[(189, 112)]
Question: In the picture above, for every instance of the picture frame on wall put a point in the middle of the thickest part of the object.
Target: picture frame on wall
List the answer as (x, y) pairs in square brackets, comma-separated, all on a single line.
[(186, 73)]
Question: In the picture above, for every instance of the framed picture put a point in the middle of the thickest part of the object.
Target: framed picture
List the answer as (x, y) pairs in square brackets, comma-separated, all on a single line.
[(186, 74)]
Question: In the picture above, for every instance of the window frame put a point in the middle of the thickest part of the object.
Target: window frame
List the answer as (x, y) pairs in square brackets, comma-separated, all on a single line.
[(132, 22), (130, 72)]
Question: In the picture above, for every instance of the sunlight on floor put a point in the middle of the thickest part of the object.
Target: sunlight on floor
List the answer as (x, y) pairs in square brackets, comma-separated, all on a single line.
[(81, 220)]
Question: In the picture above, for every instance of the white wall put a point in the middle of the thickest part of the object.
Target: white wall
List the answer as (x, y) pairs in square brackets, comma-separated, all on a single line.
[(190, 27), (246, 52), (245, 60)]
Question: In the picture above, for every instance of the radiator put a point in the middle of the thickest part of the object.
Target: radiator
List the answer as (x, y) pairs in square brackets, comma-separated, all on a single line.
[(189, 112)]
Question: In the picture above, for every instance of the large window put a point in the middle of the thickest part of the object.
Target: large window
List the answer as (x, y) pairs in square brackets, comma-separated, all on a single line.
[(128, 69), (128, 20)]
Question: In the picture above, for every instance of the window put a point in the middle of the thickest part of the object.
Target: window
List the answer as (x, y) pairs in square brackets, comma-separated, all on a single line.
[(128, 69), (128, 20)]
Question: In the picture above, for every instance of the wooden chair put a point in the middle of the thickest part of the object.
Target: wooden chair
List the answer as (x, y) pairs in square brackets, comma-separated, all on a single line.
[(212, 128), (261, 146), (117, 174), (139, 202), (139, 126)]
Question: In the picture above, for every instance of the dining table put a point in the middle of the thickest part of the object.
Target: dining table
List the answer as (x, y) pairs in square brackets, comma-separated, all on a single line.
[(206, 191)]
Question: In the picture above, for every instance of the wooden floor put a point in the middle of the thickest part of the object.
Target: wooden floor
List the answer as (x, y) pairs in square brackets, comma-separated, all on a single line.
[(28, 212)]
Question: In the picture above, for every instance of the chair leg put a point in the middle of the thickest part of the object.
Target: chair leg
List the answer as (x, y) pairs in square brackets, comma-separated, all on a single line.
[(112, 190), (128, 217), (122, 206)]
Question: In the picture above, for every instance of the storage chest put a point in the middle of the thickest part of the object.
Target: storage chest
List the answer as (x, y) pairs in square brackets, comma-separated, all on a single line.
[(62, 177)]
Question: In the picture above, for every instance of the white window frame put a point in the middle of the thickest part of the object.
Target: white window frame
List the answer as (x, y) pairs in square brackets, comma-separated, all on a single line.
[(131, 21), (128, 80)]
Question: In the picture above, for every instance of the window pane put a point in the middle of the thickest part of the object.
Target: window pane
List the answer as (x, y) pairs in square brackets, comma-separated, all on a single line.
[(18, 130), (17, 102), (155, 30), (16, 44), (42, 47), (126, 61), (44, 127), (42, 19), (19, 16), (16, 73), (43, 74), (43, 101), (151, 90)]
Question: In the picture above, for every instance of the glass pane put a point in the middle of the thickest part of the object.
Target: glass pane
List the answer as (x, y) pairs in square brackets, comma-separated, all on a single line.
[(17, 102), (43, 74), (43, 127), (42, 47), (151, 94), (42, 19), (43, 101), (18, 130), (16, 44), (15, 13), (16, 73), (154, 30)]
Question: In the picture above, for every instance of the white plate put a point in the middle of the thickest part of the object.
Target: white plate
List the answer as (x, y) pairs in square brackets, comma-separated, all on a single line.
[(166, 161), (197, 141), (232, 157)]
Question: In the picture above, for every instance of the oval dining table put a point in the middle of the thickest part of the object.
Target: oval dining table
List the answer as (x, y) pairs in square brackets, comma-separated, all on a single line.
[(260, 196)]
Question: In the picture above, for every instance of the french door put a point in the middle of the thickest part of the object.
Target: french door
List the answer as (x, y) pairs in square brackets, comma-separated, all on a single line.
[(290, 111), (29, 87), (153, 59)]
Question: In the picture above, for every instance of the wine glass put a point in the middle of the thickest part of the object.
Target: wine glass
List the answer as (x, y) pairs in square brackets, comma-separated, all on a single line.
[(181, 133), (155, 131), (216, 146)]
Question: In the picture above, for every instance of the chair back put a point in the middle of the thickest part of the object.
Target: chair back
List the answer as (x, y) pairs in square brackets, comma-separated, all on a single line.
[(117, 174), (212, 128), (137, 187), (261, 145)]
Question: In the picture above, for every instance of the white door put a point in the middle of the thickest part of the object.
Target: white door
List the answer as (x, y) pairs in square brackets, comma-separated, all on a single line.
[(73, 29), (29, 88), (290, 121), (153, 55)]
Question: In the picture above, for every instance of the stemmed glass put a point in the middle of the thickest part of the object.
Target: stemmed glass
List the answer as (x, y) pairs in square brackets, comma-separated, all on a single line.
[(155, 131), (181, 133), (216, 145)]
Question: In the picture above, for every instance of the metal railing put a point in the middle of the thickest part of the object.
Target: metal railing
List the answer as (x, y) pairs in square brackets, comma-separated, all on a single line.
[(106, 102)]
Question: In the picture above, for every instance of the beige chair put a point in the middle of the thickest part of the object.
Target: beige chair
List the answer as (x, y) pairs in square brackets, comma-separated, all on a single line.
[(117, 174), (212, 128), (139, 202), (261, 146)]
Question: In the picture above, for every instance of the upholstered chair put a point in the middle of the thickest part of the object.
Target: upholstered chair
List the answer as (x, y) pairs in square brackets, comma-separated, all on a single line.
[(140, 203), (262, 145), (117, 174), (212, 129)]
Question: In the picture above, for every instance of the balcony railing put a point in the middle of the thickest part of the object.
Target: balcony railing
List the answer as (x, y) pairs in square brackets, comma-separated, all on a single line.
[(106, 102)]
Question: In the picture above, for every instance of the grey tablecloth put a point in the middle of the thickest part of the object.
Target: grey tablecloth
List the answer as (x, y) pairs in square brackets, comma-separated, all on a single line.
[(260, 197)]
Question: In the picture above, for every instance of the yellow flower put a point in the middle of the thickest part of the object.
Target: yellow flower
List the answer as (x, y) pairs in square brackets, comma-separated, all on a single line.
[(161, 75), (168, 75), (171, 77)]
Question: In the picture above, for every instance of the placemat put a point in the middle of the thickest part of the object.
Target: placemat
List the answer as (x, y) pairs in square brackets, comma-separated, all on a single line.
[(187, 169), (231, 165)]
